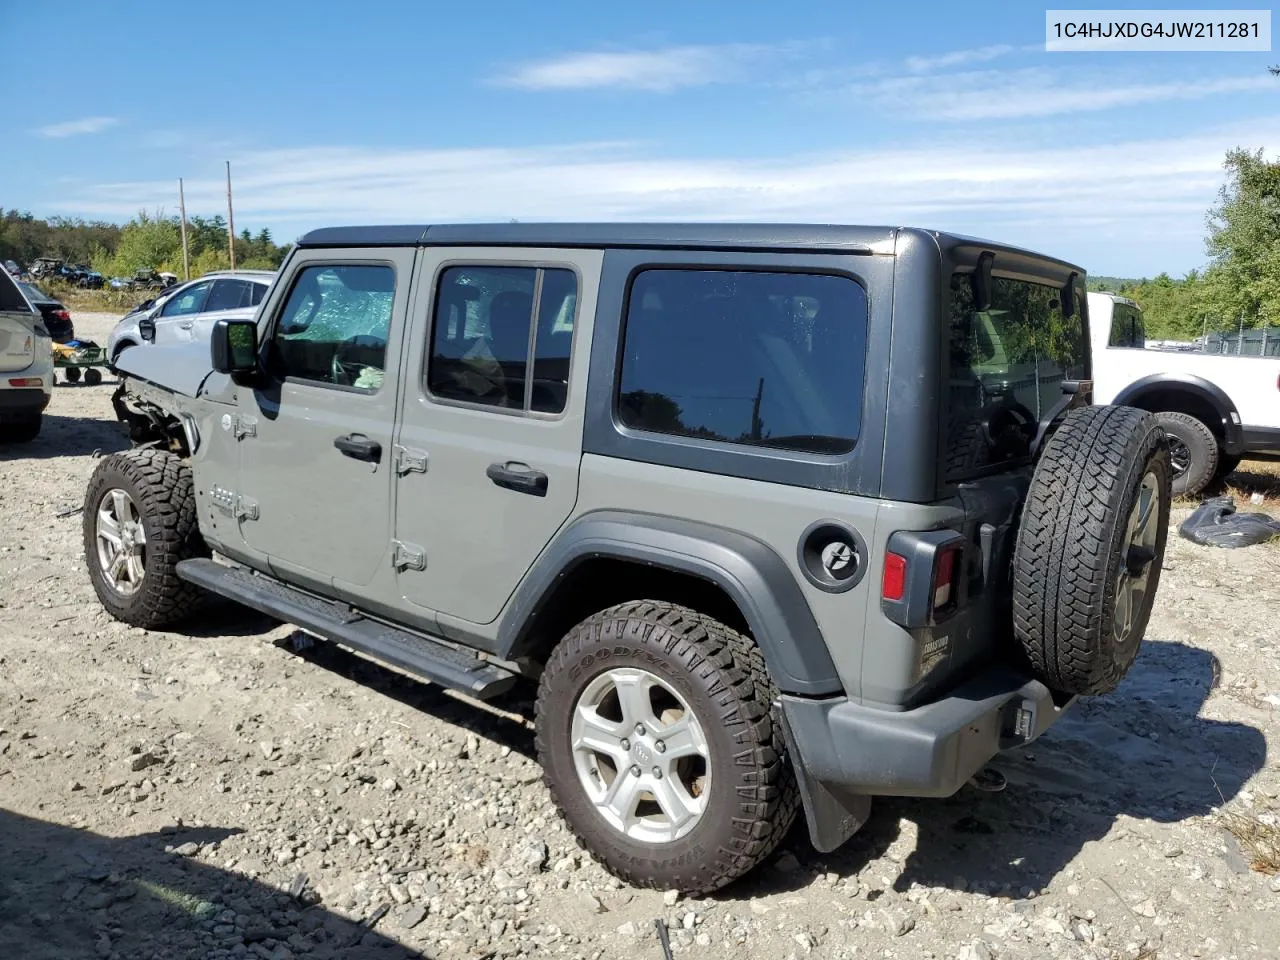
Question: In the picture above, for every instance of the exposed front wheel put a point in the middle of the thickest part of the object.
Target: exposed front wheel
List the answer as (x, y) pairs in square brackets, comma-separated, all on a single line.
[(139, 521), (1193, 452), (655, 732)]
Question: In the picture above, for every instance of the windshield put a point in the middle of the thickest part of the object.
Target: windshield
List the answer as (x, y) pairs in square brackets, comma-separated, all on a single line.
[(1007, 368)]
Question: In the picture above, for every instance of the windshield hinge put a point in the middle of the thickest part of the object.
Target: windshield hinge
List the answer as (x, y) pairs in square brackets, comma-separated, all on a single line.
[(240, 426)]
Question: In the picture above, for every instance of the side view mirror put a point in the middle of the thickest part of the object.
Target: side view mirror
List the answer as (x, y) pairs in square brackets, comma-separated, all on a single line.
[(147, 330), (234, 347)]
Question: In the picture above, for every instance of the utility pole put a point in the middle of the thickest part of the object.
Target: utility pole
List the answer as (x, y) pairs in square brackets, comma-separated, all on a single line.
[(231, 221), (186, 257)]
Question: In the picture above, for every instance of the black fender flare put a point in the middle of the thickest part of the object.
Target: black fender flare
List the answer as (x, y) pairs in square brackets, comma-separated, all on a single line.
[(1202, 389), (748, 570)]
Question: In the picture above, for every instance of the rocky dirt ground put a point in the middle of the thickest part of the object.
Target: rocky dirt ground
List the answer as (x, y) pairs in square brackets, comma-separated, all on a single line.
[(218, 793)]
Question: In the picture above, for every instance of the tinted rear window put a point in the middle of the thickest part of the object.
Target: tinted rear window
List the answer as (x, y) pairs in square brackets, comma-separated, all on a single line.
[(768, 359), (11, 298), (1007, 368)]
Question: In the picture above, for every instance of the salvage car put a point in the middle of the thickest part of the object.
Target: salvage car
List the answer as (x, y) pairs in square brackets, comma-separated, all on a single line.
[(57, 318), (734, 497), (188, 311), (26, 364)]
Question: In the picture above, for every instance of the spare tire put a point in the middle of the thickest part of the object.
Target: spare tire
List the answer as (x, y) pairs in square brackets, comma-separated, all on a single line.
[(1090, 547)]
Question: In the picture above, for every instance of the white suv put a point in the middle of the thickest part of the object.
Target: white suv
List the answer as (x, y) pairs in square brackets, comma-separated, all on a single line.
[(26, 365), (188, 311)]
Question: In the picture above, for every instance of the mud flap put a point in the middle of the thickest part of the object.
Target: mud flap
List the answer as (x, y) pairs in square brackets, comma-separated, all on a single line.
[(833, 814)]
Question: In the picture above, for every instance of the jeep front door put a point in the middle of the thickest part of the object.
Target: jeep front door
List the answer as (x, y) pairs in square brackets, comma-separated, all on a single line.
[(490, 434), (316, 470)]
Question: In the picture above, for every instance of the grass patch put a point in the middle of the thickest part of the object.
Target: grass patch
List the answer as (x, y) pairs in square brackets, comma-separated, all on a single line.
[(97, 301), (1259, 838)]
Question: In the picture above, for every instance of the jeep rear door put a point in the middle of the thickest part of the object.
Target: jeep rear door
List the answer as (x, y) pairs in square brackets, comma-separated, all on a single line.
[(490, 429), (316, 466)]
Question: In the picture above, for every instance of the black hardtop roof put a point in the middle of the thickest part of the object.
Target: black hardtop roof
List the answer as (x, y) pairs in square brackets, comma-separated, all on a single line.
[(820, 237)]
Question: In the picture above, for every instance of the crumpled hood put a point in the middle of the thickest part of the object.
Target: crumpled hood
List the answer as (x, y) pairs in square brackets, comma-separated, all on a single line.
[(180, 367)]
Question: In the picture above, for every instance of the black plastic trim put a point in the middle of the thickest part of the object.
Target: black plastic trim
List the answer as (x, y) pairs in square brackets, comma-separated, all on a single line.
[(915, 609), (427, 658), (748, 570), (826, 582), (1211, 393), (929, 751), (1261, 440), (23, 399)]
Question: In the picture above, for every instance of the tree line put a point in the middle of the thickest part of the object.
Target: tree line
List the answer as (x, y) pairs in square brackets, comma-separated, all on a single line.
[(147, 242), (1241, 283)]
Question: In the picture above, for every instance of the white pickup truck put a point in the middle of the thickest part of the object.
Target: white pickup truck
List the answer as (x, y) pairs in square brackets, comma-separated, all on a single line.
[(1216, 409)]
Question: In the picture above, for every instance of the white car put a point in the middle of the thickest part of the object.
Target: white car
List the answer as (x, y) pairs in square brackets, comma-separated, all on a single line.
[(26, 365), (189, 311), (1216, 409)]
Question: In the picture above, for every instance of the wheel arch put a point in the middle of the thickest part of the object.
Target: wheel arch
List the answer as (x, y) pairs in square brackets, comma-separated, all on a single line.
[(610, 556), (1189, 394)]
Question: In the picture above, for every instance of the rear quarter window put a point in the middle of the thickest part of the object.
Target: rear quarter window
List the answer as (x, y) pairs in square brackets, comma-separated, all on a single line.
[(767, 359)]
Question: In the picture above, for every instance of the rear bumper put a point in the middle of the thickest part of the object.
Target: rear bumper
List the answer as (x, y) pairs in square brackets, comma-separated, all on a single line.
[(22, 402), (844, 752)]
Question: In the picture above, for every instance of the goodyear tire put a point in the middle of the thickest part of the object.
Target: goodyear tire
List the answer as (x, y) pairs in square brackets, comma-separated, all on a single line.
[(658, 744), (1193, 453), (139, 521), (1090, 547)]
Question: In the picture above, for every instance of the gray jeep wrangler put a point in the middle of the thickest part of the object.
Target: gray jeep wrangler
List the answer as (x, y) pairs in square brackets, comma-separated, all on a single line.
[(763, 510)]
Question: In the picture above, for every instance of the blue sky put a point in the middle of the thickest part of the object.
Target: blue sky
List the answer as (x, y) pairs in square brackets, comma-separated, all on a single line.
[(945, 115)]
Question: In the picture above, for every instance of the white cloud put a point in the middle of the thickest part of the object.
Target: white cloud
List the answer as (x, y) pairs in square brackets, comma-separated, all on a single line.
[(957, 57), (1002, 95), (76, 128), (662, 70), (1146, 197)]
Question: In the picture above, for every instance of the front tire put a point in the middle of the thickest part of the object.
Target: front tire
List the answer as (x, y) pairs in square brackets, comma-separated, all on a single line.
[(658, 743), (1193, 452), (139, 522)]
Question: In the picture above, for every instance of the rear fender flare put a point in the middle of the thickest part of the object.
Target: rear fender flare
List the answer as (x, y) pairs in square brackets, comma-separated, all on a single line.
[(749, 571)]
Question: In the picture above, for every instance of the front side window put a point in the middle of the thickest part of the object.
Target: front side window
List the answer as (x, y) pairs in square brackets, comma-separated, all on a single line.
[(189, 301), (1008, 364), (767, 359), (501, 336), (334, 326)]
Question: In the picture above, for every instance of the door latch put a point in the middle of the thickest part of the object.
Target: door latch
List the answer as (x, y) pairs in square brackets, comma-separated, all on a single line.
[(408, 556), (409, 460)]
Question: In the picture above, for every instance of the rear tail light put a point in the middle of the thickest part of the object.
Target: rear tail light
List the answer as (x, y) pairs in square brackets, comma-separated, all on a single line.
[(62, 315), (25, 382), (923, 582), (944, 577), (893, 585)]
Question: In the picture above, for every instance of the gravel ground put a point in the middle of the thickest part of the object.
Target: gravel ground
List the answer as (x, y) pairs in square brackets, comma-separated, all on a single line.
[(218, 793)]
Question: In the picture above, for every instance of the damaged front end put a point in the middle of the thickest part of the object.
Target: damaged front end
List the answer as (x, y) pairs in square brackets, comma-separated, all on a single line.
[(159, 390), (154, 417)]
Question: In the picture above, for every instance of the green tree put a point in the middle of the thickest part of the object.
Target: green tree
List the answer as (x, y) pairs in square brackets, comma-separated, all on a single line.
[(1243, 279)]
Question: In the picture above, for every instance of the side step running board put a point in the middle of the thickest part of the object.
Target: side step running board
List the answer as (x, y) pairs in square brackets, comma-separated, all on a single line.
[(428, 659)]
